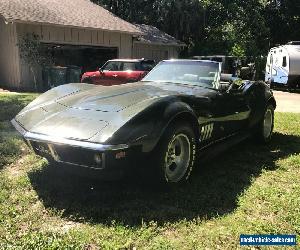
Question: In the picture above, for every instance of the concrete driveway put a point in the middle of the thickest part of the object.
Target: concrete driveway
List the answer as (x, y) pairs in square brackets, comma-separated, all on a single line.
[(287, 102)]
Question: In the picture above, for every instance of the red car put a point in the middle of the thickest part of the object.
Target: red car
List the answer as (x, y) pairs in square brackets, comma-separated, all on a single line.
[(119, 71)]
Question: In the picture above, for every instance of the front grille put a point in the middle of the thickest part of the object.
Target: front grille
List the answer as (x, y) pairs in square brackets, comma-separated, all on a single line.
[(79, 156), (68, 154)]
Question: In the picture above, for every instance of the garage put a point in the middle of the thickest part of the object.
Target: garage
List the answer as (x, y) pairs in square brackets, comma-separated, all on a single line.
[(88, 58), (79, 33)]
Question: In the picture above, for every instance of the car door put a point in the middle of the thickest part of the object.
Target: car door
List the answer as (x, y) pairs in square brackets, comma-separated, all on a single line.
[(232, 112), (109, 74), (113, 77), (221, 114), (129, 72)]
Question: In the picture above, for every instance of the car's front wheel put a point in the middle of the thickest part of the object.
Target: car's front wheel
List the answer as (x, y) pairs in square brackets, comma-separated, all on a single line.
[(176, 153), (88, 81)]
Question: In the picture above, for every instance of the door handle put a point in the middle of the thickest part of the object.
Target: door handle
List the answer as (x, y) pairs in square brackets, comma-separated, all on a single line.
[(114, 75)]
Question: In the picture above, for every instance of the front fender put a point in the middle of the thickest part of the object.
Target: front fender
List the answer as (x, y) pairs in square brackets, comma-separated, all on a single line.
[(175, 112), (147, 127)]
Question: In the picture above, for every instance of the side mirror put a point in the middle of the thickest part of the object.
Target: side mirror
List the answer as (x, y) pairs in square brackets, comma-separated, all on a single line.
[(101, 70)]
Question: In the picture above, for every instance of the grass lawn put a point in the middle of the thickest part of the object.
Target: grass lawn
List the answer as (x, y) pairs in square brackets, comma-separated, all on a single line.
[(249, 189)]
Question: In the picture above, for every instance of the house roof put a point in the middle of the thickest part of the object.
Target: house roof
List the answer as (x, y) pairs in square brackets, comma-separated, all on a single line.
[(74, 13), (152, 35)]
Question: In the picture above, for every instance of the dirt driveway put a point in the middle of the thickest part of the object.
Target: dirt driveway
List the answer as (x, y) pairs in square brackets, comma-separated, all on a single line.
[(287, 102)]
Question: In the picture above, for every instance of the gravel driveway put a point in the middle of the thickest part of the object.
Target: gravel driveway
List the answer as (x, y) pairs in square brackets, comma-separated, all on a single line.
[(287, 102)]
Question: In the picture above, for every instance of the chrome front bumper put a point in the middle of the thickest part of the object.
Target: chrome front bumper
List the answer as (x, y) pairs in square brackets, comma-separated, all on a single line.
[(50, 143)]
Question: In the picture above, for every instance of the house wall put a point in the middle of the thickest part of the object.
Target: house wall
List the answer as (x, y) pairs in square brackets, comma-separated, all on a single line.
[(73, 36), (16, 74), (155, 52), (9, 56)]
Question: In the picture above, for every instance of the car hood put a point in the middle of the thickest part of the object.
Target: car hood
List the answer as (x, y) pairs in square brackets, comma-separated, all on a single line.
[(92, 113), (112, 99), (90, 73)]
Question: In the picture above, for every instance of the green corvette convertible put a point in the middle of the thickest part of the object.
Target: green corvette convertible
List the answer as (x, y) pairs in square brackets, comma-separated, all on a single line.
[(183, 109)]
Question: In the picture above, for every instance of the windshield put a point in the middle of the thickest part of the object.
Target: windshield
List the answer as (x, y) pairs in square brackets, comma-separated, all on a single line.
[(200, 73)]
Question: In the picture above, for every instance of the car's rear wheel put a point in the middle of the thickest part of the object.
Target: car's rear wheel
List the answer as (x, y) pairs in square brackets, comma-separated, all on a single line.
[(265, 127), (175, 154)]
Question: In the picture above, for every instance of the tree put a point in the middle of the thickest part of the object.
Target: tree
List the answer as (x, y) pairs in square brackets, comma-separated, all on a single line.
[(32, 53), (232, 27), (283, 19)]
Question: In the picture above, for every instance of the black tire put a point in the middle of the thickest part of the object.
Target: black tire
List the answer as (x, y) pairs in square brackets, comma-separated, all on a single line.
[(178, 144), (264, 129), (88, 81), (131, 80)]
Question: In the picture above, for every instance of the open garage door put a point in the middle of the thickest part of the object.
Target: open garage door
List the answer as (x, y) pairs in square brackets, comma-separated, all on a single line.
[(88, 58)]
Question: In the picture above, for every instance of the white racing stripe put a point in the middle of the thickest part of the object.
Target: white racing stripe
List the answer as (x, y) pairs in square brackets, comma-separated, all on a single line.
[(211, 130), (206, 131)]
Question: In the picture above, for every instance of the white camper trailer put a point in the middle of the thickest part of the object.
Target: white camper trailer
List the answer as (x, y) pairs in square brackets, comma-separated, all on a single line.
[(283, 65)]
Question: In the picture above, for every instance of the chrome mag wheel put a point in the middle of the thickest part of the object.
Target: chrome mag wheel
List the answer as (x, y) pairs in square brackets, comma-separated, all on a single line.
[(177, 158)]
